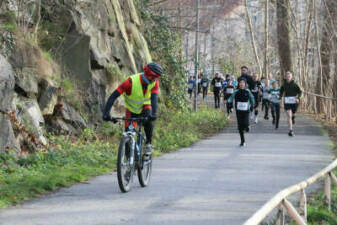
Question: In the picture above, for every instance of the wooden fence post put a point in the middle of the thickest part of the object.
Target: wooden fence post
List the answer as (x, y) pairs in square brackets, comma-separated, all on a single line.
[(280, 215), (293, 213), (327, 191), (303, 205), (333, 178)]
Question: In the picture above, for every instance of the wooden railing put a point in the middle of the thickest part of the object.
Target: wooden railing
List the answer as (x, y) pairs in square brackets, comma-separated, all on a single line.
[(328, 102), (280, 200)]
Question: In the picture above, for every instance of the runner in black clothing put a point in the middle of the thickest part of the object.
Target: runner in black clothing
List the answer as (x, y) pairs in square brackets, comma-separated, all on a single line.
[(243, 100), (291, 93), (255, 89), (228, 91), (217, 86), (248, 78)]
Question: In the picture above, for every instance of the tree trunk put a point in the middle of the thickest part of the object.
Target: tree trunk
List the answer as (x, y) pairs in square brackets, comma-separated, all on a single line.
[(266, 37), (326, 52), (252, 37), (283, 36)]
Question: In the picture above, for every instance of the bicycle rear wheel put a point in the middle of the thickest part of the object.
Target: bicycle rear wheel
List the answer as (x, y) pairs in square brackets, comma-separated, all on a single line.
[(125, 164), (144, 173)]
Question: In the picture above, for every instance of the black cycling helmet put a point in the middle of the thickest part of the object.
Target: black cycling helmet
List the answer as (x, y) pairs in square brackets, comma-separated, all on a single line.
[(153, 69)]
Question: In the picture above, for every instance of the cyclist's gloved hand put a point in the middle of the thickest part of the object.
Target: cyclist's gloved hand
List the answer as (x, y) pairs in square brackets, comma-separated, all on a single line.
[(152, 117), (107, 117)]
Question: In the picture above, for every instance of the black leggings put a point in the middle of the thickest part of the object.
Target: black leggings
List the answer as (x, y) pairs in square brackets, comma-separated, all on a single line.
[(265, 104), (217, 99), (243, 123), (229, 106), (204, 92), (275, 109)]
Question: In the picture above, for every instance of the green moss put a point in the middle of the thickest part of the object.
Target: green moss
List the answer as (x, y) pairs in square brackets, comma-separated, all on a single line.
[(52, 33), (48, 56), (114, 74), (67, 85), (10, 21)]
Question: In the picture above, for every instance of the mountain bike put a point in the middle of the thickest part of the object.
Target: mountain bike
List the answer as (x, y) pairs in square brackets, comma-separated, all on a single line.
[(131, 156)]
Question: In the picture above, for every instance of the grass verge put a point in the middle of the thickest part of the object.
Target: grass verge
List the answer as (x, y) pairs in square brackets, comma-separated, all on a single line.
[(318, 213), (68, 160)]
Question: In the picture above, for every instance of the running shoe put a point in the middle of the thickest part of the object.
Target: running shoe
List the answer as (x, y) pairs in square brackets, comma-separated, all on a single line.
[(243, 144), (291, 133)]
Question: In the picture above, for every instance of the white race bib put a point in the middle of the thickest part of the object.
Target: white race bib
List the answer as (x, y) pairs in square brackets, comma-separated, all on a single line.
[(190, 86), (204, 84), (275, 97), (266, 95), (242, 106), (218, 84), (290, 100), (229, 90)]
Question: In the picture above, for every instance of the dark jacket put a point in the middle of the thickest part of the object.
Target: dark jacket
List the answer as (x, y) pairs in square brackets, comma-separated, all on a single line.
[(290, 89), (249, 80)]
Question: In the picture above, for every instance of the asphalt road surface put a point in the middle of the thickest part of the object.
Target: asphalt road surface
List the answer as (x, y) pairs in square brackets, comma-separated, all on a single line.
[(212, 182)]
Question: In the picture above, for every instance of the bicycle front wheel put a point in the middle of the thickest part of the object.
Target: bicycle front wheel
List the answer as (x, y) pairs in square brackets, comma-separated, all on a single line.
[(125, 164), (144, 173)]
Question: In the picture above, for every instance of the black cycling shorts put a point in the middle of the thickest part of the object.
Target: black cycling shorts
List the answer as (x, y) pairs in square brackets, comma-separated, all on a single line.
[(292, 107)]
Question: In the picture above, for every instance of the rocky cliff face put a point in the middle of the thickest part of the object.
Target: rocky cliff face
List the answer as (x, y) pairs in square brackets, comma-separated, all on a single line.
[(62, 86)]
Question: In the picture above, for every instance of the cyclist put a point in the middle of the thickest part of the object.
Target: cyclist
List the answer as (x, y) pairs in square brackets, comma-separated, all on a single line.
[(216, 84), (291, 93), (275, 102), (228, 91), (243, 100), (140, 92), (255, 89)]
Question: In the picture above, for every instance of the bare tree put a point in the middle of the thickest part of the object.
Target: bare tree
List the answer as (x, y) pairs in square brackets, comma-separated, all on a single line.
[(252, 38), (283, 36)]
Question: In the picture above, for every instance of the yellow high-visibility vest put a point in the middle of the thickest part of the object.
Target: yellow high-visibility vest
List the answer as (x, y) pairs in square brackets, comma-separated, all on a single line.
[(136, 100)]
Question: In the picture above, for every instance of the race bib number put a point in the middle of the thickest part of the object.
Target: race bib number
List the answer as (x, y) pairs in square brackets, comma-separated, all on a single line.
[(204, 84), (242, 106), (229, 91), (190, 86), (290, 100), (266, 95), (275, 97), (218, 84)]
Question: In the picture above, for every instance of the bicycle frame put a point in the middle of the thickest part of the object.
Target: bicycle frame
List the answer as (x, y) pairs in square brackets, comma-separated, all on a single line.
[(136, 144)]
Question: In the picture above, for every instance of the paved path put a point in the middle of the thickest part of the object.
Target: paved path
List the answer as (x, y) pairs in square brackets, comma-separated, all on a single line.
[(212, 182)]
